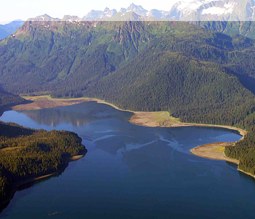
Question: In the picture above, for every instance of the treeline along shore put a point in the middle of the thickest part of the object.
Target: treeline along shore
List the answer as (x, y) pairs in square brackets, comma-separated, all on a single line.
[(28, 155), (216, 150)]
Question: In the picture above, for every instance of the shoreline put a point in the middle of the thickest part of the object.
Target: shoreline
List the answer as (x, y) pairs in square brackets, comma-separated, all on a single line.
[(46, 176), (144, 119), (47, 102), (163, 118), (76, 157), (246, 173), (15, 186), (214, 151)]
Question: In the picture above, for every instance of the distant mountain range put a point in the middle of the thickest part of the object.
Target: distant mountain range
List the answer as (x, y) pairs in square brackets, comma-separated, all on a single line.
[(8, 29), (185, 10), (202, 75)]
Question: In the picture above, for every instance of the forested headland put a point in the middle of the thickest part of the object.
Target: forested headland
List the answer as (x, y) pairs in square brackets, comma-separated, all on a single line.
[(26, 154)]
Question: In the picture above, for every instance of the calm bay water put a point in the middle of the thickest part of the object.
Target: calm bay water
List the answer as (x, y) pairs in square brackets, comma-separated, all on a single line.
[(132, 171)]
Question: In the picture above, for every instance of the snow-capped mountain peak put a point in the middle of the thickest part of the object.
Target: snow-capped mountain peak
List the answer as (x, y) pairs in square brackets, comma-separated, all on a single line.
[(109, 13), (138, 9), (227, 8), (212, 10), (44, 17), (183, 10)]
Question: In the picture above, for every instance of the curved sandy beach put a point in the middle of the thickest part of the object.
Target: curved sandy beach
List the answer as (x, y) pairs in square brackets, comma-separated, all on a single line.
[(214, 151)]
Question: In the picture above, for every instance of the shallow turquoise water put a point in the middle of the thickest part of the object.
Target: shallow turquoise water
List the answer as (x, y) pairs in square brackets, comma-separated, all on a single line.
[(132, 171)]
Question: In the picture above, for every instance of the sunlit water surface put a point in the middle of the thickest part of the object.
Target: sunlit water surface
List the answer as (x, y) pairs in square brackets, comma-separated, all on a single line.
[(132, 171)]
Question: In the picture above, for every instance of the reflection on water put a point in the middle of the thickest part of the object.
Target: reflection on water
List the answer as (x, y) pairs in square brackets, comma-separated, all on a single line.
[(132, 171), (77, 116)]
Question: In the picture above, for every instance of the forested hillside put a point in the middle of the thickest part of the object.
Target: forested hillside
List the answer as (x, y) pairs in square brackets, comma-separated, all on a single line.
[(7, 100), (232, 28), (71, 57), (26, 154), (194, 72), (193, 90)]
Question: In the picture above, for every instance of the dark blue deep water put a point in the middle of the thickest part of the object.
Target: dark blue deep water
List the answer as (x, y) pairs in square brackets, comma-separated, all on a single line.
[(132, 172)]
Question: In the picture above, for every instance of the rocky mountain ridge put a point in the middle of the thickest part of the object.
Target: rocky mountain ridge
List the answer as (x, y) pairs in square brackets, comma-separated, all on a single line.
[(185, 10)]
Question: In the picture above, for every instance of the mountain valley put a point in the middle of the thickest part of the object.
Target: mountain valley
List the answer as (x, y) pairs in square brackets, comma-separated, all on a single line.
[(193, 62)]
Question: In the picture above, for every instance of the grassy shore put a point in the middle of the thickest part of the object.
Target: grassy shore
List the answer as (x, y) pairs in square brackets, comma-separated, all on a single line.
[(43, 102), (214, 151), (164, 119), (46, 101)]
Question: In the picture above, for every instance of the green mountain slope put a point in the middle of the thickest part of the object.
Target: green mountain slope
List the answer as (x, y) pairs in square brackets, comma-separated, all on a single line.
[(48, 55), (198, 75), (190, 89), (66, 53), (244, 28)]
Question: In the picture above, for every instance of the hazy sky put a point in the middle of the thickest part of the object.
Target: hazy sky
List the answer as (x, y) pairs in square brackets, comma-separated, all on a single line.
[(23, 9)]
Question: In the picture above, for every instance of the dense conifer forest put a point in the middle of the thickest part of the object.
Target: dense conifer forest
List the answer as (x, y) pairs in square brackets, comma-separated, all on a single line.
[(26, 154), (203, 73)]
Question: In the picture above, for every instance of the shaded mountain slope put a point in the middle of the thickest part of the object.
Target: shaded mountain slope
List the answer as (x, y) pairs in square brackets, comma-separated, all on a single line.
[(45, 56), (188, 88), (173, 66), (198, 75), (7, 100)]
